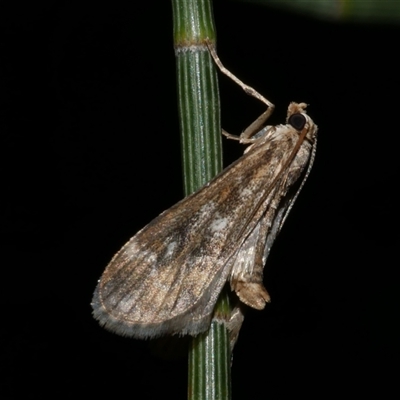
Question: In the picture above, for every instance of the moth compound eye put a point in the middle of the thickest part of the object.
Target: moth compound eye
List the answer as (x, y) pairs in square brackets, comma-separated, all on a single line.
[(297, 121)]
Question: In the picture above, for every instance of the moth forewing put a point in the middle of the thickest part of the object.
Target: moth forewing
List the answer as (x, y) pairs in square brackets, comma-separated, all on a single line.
[(167, 278), (297, 155)]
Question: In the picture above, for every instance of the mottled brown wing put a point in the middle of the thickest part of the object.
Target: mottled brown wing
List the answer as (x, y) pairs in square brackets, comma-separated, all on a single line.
[(167, 278), (246, 275)]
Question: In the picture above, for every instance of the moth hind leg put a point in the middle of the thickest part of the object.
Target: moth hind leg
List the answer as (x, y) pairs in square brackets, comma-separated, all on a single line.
[(235, 322), (252, 294), (247, 271)]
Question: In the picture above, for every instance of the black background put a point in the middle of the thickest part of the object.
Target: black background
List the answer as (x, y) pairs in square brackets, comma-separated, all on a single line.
[(90, 154)]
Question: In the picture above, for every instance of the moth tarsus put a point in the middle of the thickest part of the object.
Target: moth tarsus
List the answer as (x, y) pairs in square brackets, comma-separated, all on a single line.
[(167, 278), (255, 126)]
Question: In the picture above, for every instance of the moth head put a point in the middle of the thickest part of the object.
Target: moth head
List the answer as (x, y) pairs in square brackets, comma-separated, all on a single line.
[(298, 119)]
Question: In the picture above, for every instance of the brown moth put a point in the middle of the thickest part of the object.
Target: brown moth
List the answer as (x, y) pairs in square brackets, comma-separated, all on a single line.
[(167, 278)]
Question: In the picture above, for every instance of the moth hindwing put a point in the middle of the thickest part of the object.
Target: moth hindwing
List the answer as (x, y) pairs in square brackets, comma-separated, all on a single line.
[(167, 278)]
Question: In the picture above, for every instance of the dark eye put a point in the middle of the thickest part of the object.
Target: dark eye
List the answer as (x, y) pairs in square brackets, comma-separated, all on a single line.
[(297, 121)]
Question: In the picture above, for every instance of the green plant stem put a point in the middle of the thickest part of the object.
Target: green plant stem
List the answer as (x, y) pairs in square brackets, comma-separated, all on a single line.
[(198, 100)]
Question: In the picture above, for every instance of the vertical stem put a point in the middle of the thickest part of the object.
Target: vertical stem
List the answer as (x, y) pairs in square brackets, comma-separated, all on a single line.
[(198, 99)]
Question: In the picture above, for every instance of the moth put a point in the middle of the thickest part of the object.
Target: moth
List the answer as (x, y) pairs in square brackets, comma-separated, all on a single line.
[(167, 278)]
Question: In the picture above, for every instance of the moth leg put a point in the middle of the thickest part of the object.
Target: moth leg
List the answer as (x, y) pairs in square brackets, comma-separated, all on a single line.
[(235, 322), (252, 294), (247, 271), (230, 136), (255, 127)]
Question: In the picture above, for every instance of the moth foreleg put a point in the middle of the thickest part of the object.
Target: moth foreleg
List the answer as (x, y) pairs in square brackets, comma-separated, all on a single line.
[(230, 136), (253, 128), (249, 135)]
